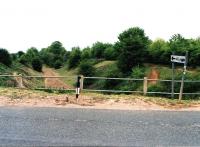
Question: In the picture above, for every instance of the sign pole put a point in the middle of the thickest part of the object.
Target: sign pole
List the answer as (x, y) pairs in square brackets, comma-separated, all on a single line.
[(172, 95), (183, 76)]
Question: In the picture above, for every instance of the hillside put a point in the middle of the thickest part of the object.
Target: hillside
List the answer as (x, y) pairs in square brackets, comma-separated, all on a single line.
[(152, 71), (17, 69), (103, 69)]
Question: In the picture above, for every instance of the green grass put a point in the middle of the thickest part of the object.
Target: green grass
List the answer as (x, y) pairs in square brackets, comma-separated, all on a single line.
[(104, 64), (65, 72)]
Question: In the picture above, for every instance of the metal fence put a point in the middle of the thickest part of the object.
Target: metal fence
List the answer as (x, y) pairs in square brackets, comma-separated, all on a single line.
[(69, 83)]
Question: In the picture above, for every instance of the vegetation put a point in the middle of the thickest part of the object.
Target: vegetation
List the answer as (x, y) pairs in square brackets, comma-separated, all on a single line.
[(134, 45), (129, 57), (37, 64), (5, 57)]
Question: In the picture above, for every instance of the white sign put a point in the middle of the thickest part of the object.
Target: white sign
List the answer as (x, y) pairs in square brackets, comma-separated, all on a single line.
[(178, 59)]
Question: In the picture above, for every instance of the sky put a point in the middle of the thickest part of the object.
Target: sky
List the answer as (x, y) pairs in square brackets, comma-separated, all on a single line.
[(37, 23)]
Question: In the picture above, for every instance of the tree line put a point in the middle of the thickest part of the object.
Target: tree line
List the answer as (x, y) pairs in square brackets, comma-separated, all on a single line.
[(132, 49)]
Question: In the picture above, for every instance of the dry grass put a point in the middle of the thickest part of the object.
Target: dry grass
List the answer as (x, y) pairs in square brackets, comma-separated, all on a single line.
[(97, 98)]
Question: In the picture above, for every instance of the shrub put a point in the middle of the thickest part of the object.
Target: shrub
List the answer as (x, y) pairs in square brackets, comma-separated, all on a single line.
[(138, 72), (86, 68), (23, 60), (74, 58), (37, 64), (113, 72), (57, 64), (5, 57)]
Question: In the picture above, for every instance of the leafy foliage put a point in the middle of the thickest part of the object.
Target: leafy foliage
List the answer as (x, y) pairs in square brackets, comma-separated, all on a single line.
[(74, 58), (5, 57), (37, 64), (134, 44), (98, 49), (86, 68)]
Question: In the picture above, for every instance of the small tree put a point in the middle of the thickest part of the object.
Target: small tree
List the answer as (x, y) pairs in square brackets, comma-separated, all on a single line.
[(86, 53), (110, 53), (98, 49), (74, 58), (134, 44), (5, 57), (37, 64)]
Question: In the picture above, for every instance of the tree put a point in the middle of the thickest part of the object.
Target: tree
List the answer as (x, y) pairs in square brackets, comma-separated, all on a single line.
[(134, 44), (194, 52), (179, 44), (66, 56), (23, 59), (20, 53), (86, 53), (98, 49), (32, 53), (37, 64), (57, 48), (110, 53), (74, 58), (5, 57), (159, 51), (55, 53)]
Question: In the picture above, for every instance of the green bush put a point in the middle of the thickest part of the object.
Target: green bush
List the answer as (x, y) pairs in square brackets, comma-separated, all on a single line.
[(5, 57), (57, 64), (86, 68), (138, 72), (74, 58), (37, 64), (112, 72)]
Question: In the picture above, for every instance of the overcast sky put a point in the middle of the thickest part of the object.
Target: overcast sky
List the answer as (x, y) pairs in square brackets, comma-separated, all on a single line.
[(27, 23)]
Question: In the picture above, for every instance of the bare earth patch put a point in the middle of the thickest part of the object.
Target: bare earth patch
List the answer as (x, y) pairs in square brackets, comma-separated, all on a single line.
[(30, 98), (53, 82)]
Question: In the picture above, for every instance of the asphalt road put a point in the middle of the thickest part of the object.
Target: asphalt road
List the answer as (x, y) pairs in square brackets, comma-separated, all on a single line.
[(78, 127)]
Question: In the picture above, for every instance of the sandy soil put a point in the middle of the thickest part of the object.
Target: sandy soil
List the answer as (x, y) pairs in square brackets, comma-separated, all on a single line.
[(27, 98), (53, 82), (65, 101), (154, 74)]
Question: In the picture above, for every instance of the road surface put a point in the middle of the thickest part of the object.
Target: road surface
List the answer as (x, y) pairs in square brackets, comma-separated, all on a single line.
[(77, 127)]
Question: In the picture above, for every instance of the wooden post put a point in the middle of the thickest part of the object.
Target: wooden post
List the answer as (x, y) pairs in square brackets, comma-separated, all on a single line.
[(21, 81), (145, 86), (183, 76), (172, 90), (82, 82)]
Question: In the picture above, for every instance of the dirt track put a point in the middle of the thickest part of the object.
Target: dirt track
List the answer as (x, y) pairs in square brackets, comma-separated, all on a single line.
[(53, 82), (153, 75)]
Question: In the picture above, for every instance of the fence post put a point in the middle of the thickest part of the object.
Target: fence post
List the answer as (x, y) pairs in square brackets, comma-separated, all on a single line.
[(20, 81), (78, 84), (82, 82), (145, 86)]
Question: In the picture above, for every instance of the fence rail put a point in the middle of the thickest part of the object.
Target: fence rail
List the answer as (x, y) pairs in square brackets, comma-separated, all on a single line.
[(145, 82)]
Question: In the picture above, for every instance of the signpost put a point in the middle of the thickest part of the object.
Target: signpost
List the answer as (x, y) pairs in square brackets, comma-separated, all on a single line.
[(182, 60), (172, 76), (178, 59)]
